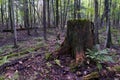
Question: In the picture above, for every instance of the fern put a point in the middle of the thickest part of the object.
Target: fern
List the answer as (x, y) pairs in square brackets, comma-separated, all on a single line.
[(99, 57)]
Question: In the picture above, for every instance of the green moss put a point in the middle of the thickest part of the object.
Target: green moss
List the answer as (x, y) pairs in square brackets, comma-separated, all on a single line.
[(78, 22), (19, 54)]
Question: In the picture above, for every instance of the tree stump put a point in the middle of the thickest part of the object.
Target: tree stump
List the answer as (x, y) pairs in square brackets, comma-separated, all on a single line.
[(80, 37)]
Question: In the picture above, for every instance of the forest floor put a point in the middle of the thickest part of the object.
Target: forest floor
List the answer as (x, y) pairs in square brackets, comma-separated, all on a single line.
[(31, 60)]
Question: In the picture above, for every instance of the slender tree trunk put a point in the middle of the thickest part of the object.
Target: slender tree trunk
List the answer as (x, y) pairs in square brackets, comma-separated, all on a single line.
[(74, 9), (2, 14), (26, 16), (108, 41), (53, 10), (11, 14), (34, 18), (78, 8), (48, 12), (44, 19), (57, 13), (96, 21), (65, 14), (30, 14)]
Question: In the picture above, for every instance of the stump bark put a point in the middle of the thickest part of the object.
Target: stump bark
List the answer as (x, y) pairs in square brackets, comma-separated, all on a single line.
[(80, 36)]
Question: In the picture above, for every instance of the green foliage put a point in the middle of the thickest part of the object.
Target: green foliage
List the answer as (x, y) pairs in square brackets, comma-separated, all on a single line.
[(48, 56), (57, 62), (1, 50), (2, 78), (117, 68), (99, 57), (4, 60), (115, 31), (48, 64), (119, 40)]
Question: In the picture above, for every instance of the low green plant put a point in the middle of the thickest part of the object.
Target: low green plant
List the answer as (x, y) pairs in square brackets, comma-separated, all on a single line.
[(119, 40), (4, 60), (1, 51), (48, 56), (48, 64), (114, 31), (2, 78), (57, 62), (99, 56)]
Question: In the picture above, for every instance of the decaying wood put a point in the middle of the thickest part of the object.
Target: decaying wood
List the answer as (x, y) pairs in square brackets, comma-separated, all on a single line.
[(16, 61), (25, 51), (21, 29), (22, 59), (93, 75), (79, 37)]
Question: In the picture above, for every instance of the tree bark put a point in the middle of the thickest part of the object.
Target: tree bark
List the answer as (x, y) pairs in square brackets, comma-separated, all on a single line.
[(96, 22), (57, 13), (108, 41), (44, 19), (12, 22), (79, 38)]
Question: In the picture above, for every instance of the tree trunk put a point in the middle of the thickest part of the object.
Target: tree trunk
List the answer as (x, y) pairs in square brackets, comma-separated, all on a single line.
[(44, 19), (26, 16), (96, 21), (108, 41), (57, 13), (12, 22), (48, 12), (79, 38)]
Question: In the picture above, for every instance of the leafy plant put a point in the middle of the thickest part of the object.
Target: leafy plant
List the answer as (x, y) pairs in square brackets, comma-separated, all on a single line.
[(99, 57), (1, 51), (48, 64), (57, 62), (48, 56), (2, 78), (4, 60), (119, 40)]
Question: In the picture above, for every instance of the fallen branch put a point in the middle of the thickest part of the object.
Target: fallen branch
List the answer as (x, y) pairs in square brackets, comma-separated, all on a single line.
[(16, 61), (93, 75)]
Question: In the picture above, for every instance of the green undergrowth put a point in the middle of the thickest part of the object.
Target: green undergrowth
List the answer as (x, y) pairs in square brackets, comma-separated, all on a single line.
[(95, 57), (100, 56), (14, 53), (115, 35)]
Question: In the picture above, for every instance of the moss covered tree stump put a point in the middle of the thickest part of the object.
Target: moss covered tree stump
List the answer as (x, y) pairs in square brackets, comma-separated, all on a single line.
[(79, 37)]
